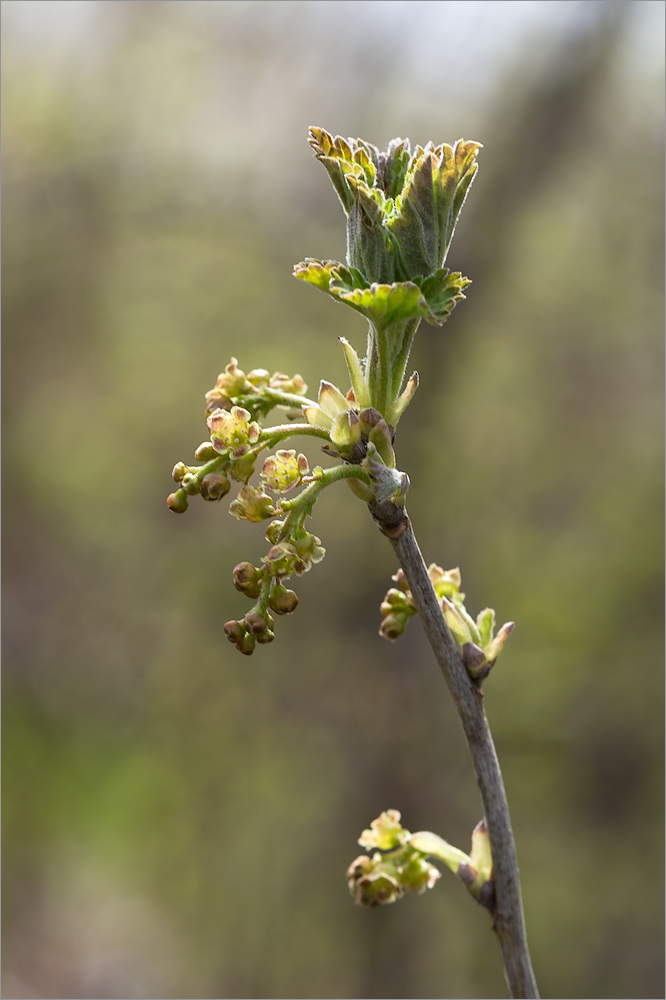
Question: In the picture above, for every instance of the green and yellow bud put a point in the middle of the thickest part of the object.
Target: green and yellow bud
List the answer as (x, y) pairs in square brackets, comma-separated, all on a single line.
[(241, 464), (331, 403), (177, 502), (190, 483), (385, 833), (294, 385), (205, 452), (179, 470), (231, 382)]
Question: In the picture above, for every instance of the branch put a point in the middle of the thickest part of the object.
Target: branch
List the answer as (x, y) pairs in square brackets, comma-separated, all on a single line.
[(508, 919)]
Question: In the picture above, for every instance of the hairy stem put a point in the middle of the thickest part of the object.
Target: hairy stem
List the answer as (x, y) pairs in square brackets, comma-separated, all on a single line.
[(508, 918)]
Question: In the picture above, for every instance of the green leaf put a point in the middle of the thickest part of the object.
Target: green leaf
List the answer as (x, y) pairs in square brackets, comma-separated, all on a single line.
[(428, 207), (435, 847), (485, 622), (442, 290), (383, 304)]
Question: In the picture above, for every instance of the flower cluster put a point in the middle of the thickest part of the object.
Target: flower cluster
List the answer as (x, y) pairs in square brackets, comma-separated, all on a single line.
[(258, 391), (400, 863), (385, 877), (479, 645), (293, 551)]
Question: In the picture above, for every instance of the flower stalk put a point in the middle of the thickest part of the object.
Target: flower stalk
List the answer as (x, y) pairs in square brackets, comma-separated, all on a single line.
[(401, 209)]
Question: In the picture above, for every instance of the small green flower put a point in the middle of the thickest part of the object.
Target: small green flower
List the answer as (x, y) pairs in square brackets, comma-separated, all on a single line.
[(231, 429), (231, 382), (252, 504), (281, 559), (385, 833), (284, 470), (309, 550), (370, 883)]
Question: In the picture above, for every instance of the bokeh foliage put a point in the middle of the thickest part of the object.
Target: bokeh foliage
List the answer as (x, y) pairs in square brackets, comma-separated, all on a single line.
[(177, 819)]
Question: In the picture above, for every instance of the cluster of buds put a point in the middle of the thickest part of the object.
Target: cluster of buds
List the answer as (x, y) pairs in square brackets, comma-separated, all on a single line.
[(400, 863), (193, 479), (234, 387), (479, 645), (293, 550), (385, 877), (257, 625), (359, 437)]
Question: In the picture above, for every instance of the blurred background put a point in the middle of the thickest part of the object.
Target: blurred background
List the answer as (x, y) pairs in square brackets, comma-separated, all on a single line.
[(178, 818)]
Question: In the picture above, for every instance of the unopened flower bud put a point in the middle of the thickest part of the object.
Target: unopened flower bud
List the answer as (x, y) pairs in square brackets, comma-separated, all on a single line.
[(273, 531), (283, 601), (234, 631), (246, 646), (242, 640), (190, 484), (242, 463), (418, 875), (205, 452), (392, 626), (401, 581), (177, 502), (214, 486), (394, 600), (258, 377), (257, 623), (475, 660), (230, 382), (446, 582), (266, 636), (247, 579), (294, 385), (179, 471)]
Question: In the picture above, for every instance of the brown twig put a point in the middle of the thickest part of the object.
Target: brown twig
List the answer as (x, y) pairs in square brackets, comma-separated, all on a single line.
[(508, 919)]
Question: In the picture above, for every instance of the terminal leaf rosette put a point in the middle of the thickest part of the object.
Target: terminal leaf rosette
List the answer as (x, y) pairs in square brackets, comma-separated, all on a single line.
[(401, 206)]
